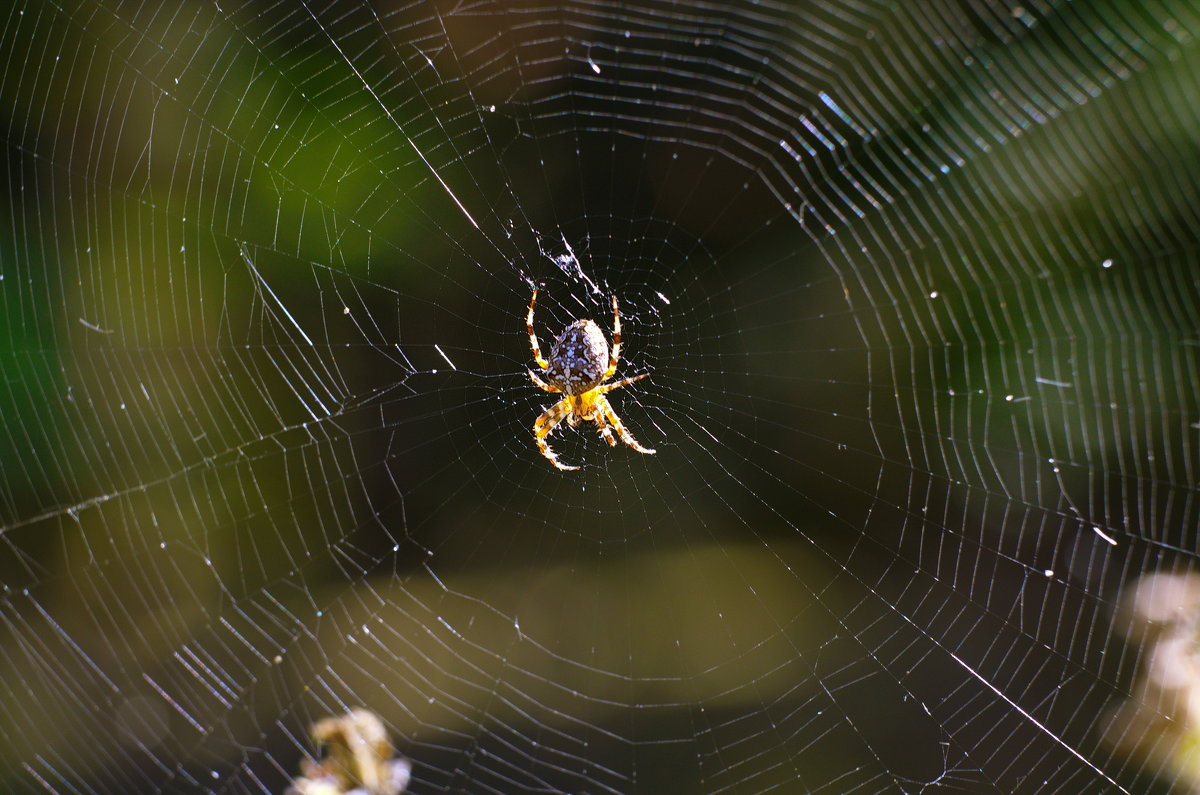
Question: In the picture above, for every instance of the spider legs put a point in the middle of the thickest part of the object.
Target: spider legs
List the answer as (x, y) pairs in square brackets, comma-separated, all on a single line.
[(603, 426), (533, 343), (546, 423), (617, 384), (616, 347), (542, 384), (611, 416)]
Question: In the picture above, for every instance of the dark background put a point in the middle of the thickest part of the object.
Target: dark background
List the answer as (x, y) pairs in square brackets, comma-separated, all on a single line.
[(916, 286)]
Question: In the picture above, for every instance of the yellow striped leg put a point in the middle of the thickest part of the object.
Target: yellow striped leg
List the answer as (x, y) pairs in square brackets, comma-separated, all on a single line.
[(613, 420), (604, 428), (533, 343), (546, 423), (615, 356), (618, 384), (542, 384)]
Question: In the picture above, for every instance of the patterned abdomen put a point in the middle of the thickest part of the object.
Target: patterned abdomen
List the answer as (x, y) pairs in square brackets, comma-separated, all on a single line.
[(579, 358)]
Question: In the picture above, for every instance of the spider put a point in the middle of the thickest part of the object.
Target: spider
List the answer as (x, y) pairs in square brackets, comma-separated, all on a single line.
[(576, 368)]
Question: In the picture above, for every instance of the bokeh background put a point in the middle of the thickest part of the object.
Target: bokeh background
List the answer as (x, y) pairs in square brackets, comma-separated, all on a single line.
[(917, 288)]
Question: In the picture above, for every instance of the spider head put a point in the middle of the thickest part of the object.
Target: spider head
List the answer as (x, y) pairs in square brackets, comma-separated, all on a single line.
[(579, 358)]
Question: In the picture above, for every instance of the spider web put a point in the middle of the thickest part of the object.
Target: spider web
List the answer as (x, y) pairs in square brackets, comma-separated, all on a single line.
[(915, 285)]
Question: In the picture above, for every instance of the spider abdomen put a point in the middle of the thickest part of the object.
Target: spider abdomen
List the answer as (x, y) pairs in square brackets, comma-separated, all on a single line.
[(579, 358)]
